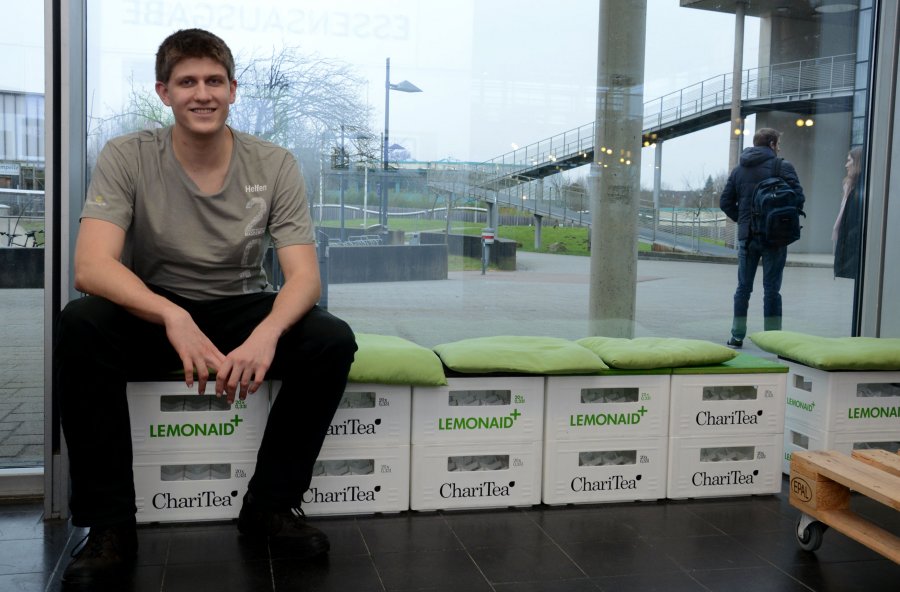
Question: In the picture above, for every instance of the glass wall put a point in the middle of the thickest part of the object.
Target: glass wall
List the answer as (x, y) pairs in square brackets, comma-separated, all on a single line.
[(22, 165), (501, 136)]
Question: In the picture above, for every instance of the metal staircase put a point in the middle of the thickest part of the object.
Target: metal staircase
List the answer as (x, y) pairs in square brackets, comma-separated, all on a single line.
[(805, 86)]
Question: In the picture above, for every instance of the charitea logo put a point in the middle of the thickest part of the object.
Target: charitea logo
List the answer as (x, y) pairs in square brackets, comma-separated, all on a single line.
[(501, 422), (189, 430), (353, 427), (204, 499), (351, 493), (611, 483), (607, 419), (484, 489), (704, 479), (736, 417), (873, 412)]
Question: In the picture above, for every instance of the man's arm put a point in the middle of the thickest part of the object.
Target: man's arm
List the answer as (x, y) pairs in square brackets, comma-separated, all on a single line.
[(789, 174), (99, 271), (245, 368), (728, 201)]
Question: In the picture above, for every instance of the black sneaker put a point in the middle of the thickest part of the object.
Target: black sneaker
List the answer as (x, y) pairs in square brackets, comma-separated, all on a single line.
[(735, 343), (284, 527), (106, 556)]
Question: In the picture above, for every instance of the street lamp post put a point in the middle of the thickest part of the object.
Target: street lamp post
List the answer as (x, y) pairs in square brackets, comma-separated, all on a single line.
[(405, 86)]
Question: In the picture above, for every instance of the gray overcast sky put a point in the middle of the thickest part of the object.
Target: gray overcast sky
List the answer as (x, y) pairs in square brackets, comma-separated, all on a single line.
[(494, 72)]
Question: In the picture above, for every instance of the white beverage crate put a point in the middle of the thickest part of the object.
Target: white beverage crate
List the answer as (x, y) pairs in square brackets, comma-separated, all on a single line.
[(479, 409), (714, 404), (802, 437), (718, 466), (610, 470), (170, 417), (373, 414), (598, 407), (483, 475), (189, 486), (842, 401), (362, 480)]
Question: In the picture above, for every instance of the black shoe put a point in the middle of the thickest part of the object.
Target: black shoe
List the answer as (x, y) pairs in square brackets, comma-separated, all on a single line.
[(106, 555), (283, 527), (735, 343)]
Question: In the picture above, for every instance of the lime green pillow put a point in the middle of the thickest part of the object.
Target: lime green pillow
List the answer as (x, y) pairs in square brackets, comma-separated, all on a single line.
[(384, 359), (646, 353), (518, 355), (832, 353)]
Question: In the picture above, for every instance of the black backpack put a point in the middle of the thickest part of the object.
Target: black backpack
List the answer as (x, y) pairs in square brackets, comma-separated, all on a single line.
[(775, 211)]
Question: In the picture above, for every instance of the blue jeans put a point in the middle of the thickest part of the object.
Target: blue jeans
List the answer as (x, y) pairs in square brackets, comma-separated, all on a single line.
[(749, 254)]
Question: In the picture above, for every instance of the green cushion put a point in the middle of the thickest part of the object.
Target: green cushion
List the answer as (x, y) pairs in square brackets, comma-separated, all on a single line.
[(384, 359), (741, 364), (832, 353), (518, 355), (646, 353)]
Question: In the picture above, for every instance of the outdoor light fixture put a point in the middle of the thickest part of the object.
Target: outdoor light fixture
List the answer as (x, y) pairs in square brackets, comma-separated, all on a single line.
[(833, 6), (407, 87)]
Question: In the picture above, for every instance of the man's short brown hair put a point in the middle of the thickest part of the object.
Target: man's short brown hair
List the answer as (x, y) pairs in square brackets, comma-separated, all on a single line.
[(191, 43), (765, 136)]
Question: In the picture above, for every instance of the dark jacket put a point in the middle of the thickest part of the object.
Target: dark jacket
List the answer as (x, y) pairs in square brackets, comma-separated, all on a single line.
[(847, 246), (757, 163)]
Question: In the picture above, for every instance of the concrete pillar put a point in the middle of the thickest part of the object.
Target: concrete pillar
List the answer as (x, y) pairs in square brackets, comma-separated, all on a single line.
[(614, 177), (737, 74), (538, 224), (657, 183)]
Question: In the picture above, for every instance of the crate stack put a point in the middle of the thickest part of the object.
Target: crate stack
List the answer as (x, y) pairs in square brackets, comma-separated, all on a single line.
[(363, 467), (476, 443), (726, 429), (606, 437), (841, 411), (193, 454)]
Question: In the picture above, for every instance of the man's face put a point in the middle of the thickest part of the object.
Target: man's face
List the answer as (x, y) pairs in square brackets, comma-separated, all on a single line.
[(199, 93)]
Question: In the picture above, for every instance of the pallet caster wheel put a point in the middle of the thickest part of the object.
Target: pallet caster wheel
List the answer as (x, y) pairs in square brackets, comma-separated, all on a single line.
[(810, 533)]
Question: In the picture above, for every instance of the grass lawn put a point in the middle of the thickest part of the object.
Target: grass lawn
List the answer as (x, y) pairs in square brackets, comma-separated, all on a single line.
[(569, 240)]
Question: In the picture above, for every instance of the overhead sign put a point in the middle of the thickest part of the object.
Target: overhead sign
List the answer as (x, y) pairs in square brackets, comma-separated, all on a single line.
[(9, 168)]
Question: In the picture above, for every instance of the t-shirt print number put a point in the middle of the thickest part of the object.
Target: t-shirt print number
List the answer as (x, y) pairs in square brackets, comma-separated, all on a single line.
[(254, 232)]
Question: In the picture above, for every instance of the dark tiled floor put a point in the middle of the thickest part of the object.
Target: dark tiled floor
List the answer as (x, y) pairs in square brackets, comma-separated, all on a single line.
[(733, 544)]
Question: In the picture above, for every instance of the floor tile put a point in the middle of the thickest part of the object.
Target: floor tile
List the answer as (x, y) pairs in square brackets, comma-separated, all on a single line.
[(869, 576), (508, 528), (576, 525), (429, 570), (617, 558), (713, 552), (408, 533), (743, 518), (243, 576), (340, 573), (578, 585), (525, 564), (214, 544), (752, 579), (651, 580)]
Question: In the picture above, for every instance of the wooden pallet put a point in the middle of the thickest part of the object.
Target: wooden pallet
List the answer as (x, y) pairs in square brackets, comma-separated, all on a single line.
[(821, 482)]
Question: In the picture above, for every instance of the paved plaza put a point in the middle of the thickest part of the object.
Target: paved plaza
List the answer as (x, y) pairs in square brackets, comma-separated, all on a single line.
[(547, 295)]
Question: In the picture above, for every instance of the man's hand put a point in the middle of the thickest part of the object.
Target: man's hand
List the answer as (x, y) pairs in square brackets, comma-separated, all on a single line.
[(244, 369), (196, 351)]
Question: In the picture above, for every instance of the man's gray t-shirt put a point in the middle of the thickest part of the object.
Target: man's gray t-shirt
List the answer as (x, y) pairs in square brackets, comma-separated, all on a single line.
[(200, 246)]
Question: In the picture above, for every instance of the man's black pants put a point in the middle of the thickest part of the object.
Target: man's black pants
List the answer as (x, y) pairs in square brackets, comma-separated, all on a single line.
[(101, 346)]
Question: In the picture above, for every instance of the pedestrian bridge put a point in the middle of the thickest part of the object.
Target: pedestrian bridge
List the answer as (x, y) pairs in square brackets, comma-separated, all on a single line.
[(805, 86)]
